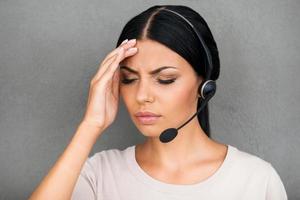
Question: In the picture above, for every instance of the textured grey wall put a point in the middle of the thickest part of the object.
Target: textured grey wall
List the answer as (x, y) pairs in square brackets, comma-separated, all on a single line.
[(49, 50)]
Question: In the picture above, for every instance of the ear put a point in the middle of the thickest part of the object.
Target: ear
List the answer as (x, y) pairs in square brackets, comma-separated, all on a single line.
[(200, 79)]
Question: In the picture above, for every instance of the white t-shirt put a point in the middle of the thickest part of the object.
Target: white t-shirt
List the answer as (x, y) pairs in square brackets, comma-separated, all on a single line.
[(115, 175)]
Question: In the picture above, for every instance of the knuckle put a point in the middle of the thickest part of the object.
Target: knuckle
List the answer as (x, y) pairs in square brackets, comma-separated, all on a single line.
[(99, 84), (92, 82)]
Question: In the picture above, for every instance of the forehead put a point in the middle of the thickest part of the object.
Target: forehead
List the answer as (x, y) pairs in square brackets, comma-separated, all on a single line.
[(152, 55)]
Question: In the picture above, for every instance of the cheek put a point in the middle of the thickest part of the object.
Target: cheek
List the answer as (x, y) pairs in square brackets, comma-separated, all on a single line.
[(125, 97), (176, 106), (179, 99), (128, 100)]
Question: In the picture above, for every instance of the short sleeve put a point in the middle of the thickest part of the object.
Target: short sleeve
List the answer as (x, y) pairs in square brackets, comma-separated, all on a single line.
[(275, 187), (86, 185)]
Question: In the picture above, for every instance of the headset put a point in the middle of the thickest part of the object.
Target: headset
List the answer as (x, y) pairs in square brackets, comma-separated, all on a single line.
[(206, 89)]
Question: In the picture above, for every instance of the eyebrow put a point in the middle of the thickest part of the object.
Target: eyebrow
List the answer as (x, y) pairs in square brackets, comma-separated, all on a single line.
[(151, 72)]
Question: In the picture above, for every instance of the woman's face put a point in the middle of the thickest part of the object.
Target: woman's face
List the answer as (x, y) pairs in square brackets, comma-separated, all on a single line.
[(175, 102)]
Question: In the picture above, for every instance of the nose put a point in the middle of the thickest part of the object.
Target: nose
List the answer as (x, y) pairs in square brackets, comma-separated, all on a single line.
[(144, 93)]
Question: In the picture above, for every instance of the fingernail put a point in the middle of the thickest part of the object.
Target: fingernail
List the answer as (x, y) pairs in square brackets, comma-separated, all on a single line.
[(133, 49), (132, 41), (124, 41)]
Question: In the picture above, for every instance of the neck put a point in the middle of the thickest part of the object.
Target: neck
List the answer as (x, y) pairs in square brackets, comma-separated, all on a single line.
[(190, 144)]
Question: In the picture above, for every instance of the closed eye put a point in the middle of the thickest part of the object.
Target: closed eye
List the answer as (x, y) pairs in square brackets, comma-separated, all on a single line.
[(165, 82)]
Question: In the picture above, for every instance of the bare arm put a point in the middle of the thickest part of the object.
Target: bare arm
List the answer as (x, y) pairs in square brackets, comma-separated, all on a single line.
[(101, 111), (61, 179)]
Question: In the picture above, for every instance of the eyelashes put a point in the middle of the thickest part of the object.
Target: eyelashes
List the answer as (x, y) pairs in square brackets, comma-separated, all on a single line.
[(164, 82)]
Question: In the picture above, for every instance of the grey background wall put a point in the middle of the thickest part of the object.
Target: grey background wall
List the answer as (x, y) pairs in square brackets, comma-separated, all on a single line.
[(49, 51)]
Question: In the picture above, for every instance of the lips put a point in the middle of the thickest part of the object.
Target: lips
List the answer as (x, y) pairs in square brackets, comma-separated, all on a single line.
[(147, 118), (146, 114)]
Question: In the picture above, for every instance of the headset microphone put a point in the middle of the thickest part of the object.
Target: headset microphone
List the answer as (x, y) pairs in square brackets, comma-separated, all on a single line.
[(170, 133), (207, 87)]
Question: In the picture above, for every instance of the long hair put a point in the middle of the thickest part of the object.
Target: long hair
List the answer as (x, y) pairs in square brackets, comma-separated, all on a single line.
[(172, 31)]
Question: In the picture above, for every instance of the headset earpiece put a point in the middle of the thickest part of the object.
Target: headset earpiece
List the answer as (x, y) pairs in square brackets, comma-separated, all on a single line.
[(207, 89)]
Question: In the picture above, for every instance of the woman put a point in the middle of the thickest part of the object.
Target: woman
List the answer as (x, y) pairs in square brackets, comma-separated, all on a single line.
[(190, 165)]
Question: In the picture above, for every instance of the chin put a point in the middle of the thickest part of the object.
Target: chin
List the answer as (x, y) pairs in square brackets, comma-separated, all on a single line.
[(149, 130)]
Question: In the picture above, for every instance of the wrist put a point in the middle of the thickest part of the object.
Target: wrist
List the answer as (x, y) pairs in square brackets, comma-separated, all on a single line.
[(88, 132), (91, 125)]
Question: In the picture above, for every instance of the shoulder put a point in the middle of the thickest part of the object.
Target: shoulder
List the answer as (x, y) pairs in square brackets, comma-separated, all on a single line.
[(108, 157), (255, 171), (249, 160), (249, 166), (110, 153)]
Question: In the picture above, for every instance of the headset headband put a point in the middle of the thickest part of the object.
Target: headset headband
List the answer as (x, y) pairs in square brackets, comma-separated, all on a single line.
[(208, 65)]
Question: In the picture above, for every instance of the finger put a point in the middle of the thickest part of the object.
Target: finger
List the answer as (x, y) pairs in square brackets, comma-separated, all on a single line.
[(116, 62), (104, 65), (116, 83), (104, 68), (116, 72), (130, 52), (122, 54), (101, 69), (124, 44), (107, 75), (111, 55), (124, 41)]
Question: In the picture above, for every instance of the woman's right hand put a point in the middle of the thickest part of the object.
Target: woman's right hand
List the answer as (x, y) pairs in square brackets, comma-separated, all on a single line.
[(103, 99)]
